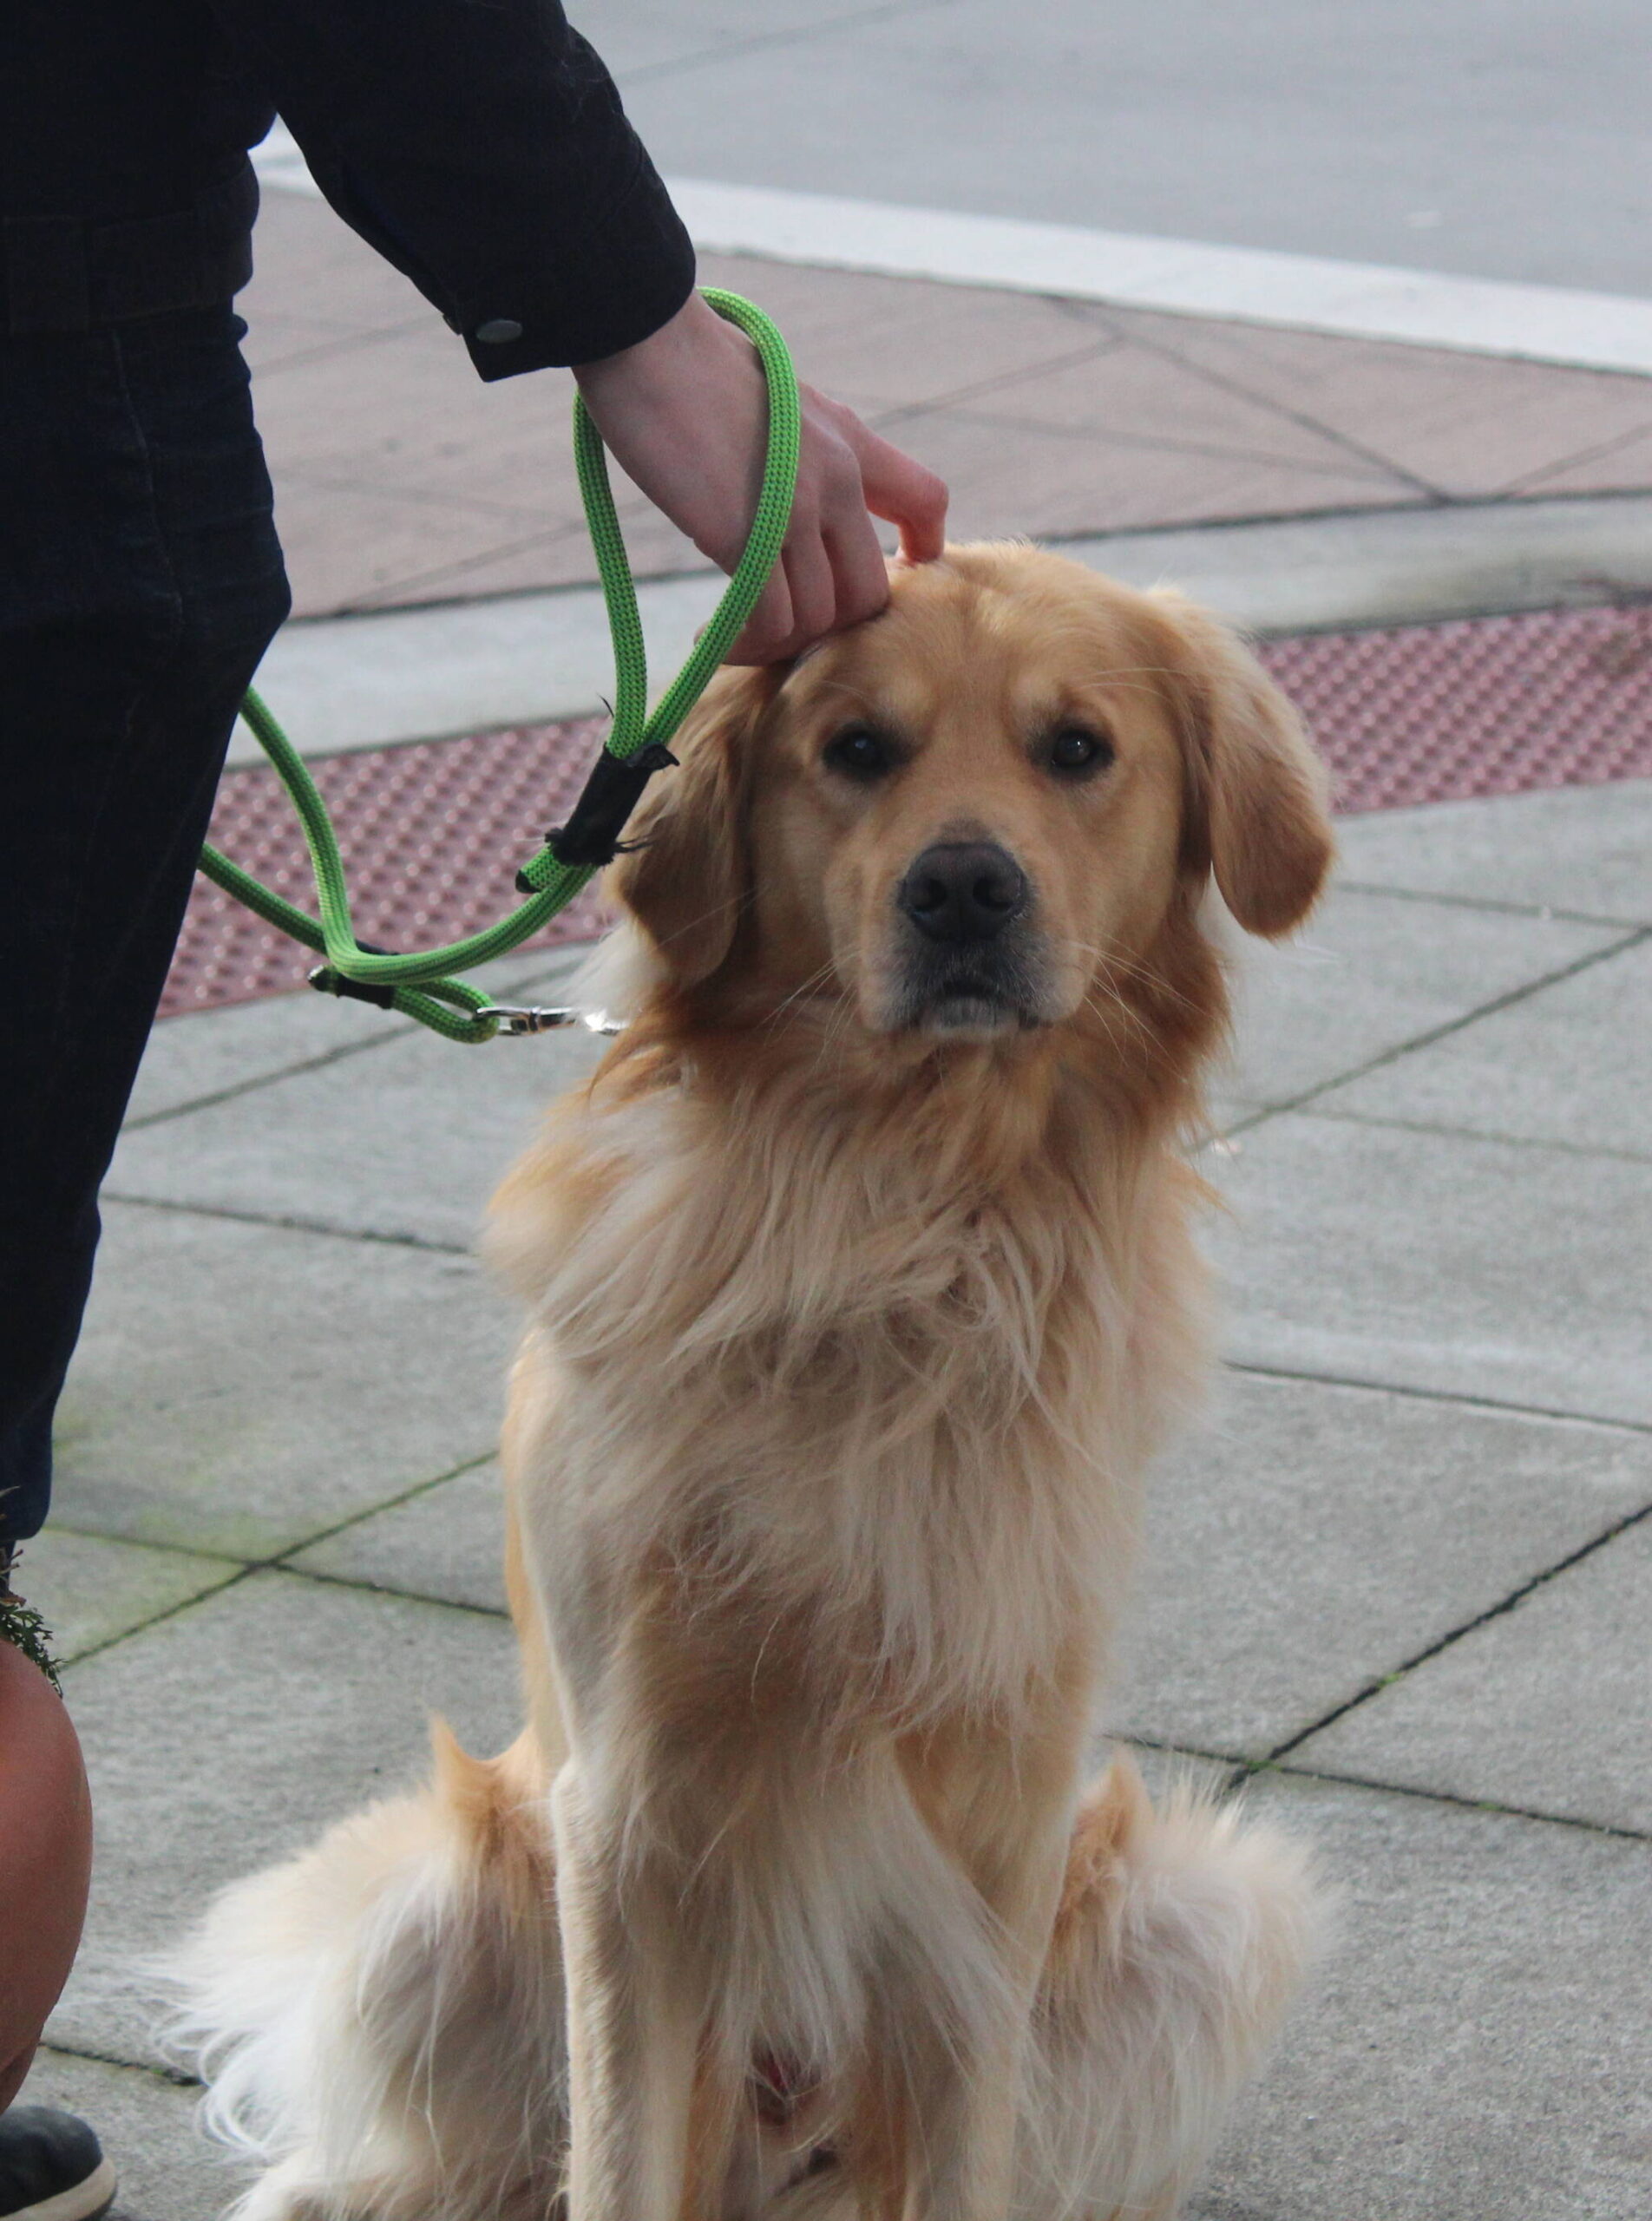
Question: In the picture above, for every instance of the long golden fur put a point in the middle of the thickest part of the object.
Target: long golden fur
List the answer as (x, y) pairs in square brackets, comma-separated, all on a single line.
[(860, 1293)]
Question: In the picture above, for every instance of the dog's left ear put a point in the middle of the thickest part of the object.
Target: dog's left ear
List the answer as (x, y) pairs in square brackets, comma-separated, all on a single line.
[(687, 877), (1258, 813)]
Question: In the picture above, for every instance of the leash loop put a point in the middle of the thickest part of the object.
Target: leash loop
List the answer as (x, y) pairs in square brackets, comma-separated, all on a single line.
[(418, 985)]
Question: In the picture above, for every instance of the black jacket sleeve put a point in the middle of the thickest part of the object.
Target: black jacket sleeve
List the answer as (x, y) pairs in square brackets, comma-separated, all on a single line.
[(480, 146)]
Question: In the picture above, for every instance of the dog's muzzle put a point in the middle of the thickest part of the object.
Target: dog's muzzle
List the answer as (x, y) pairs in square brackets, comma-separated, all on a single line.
[(965, 966)]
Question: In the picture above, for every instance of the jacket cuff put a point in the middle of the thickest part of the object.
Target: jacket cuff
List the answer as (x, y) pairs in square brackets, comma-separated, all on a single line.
[(618, 285)]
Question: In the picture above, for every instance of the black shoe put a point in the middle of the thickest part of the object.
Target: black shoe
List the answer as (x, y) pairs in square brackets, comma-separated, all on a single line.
[(52, 2167)]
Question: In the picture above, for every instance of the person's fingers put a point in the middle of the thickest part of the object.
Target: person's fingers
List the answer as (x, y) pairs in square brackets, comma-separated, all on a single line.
[(813, 589), (767, 633), (904, 493), (831, 564), (859, 570)]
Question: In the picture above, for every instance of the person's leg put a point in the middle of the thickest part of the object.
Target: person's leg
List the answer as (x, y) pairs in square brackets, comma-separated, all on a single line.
[(45, 1857), (140, 582)]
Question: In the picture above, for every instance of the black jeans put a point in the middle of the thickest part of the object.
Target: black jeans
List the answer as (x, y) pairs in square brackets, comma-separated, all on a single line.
[(141, 580)]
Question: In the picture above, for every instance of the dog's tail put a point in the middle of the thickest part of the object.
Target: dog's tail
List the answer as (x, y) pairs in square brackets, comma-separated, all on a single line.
[(380, 2019), (1182, 1938)]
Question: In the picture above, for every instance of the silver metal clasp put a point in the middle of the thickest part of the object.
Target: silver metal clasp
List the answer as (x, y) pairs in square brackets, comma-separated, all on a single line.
[(527, 1017)]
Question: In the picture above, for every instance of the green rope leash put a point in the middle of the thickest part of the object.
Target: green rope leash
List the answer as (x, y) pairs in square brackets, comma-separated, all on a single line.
[(418, 985)]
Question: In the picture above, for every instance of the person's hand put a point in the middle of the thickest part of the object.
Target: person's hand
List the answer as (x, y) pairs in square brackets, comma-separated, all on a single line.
[(685, 414)]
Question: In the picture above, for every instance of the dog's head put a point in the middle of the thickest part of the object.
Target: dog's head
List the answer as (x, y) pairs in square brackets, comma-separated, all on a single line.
[(953, 822)]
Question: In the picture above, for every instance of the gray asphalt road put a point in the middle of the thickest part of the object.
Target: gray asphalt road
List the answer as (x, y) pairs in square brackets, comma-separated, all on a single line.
[(1494, 138)]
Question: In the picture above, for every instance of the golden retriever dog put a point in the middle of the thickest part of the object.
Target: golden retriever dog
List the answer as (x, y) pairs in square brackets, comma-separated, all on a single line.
[(860, 1292)]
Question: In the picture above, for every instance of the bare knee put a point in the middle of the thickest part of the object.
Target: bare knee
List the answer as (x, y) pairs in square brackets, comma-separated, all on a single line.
[(45, 1857)]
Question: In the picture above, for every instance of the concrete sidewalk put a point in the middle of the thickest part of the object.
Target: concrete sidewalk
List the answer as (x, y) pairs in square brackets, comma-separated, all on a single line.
[(1405, 1574), (1403, 1577)]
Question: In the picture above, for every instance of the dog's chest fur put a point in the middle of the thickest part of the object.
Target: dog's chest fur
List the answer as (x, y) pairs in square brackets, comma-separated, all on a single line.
[(840, 1428)]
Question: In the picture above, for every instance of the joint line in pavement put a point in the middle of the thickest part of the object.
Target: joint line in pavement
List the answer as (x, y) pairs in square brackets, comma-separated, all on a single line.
[(1441, 1032), (1429, 1395)]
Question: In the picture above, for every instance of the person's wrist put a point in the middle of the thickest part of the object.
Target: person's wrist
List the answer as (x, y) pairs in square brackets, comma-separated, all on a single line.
[(657, 362)]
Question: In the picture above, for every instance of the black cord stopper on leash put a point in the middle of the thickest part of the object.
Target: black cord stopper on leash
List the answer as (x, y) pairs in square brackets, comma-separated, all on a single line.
[(326, 981), (613, 791)]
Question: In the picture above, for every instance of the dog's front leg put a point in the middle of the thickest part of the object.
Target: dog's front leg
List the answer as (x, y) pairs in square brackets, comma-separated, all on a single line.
[(633, 2026), (1000, 1803), (965, 2150)]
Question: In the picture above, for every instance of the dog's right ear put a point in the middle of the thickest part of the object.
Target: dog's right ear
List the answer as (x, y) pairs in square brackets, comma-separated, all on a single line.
[(685, 874)]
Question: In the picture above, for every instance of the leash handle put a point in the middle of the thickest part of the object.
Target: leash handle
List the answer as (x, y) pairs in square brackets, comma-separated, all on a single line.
[(768, 533), (637, 740), (635, 745)]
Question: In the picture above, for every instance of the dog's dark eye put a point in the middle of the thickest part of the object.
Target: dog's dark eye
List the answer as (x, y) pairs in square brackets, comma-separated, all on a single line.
[(859, 752), (1077, 751)]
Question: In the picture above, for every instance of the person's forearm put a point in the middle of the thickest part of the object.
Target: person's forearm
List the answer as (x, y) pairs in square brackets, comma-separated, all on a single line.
[(484, 151)]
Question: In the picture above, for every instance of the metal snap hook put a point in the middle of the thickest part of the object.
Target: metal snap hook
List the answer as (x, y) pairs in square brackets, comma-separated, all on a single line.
[(529, 1018)]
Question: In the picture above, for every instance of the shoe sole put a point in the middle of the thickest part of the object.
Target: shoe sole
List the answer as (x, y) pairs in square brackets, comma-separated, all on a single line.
[(85, 2201)]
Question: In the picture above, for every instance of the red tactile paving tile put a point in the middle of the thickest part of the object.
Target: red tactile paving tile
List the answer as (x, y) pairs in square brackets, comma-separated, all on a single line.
[(432, 833), (1484, 705)]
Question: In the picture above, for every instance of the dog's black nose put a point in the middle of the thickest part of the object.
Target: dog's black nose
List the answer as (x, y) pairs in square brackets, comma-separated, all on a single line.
[(963, 891)]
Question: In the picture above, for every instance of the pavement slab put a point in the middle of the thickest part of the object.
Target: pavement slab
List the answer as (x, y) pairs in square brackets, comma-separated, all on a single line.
[(1116, 391), (1477, 2044), (241, 1387), (1309, 1539), (1368, 973), (349, 547), (1547, 1707), (91, 1589), (1502, 1271), (1571, 1066), (1054, 484), (247, 1045), (406, 1143), (1616, 462), (264, 1713), (934, 344), (188, 1065), (321, 274), (283, 340), (148, 2125), (1463, 432), (479, 569), (558, 558), (447, 1543), (1587, 850), (504, 447)]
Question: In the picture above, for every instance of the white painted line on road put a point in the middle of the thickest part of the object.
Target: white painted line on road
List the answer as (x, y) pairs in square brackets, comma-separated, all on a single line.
[(1420, 308), (344, 683), (1417, 308)]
